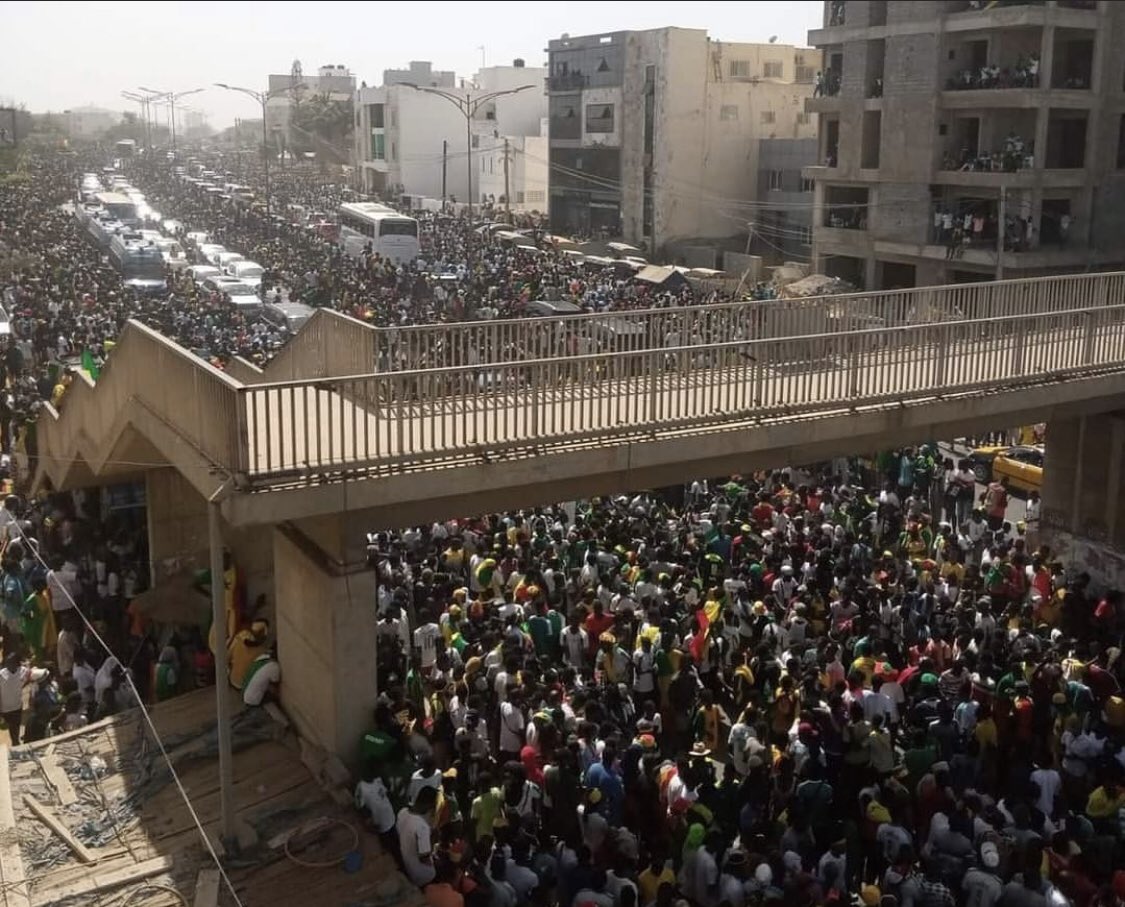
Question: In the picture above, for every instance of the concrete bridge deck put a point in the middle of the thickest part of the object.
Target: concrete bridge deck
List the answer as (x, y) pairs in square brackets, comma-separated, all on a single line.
[(410, 444)]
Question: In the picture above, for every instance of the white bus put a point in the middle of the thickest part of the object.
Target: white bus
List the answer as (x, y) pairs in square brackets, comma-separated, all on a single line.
[(390, 234)]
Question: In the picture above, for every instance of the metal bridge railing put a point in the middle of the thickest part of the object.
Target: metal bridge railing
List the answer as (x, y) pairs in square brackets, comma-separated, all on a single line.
[(513, 340), (448, 414)]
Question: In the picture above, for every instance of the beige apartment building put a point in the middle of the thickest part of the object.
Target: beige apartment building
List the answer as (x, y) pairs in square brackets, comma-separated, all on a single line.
[(962, 139), (654, 135)]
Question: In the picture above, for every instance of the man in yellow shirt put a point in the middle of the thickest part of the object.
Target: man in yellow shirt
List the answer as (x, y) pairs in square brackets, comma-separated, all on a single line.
[(651, 878), (1105, 802)]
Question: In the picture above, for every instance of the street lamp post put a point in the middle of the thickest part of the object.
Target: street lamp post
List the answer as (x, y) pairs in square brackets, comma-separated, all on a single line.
[(143, 101), (262, 97), (468, 106), (171, 97)]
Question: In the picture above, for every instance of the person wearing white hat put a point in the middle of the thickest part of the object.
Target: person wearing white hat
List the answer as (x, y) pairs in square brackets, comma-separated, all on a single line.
[(981, 886)]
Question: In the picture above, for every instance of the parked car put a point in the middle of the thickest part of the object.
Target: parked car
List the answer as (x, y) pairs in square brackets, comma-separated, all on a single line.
[(1021, 466)]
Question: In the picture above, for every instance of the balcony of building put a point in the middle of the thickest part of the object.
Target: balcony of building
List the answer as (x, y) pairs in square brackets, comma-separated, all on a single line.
[(967, 224), (845, 208), (967, 15), (826, 85), (996, 149), (844, 22), (567, 81), (1004, 68)]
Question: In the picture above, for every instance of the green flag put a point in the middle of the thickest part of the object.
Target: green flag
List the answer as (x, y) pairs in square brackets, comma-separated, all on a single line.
[(89, 366)]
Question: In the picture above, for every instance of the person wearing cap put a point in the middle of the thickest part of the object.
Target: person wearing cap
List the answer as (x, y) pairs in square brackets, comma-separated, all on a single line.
[(981, 885), (244, 649)]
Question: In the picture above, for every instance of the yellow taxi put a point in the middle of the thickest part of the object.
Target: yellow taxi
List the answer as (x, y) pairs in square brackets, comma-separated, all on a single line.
[(1020, 466)]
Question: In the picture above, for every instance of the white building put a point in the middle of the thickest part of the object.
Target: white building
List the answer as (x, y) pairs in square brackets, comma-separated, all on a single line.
[(334, 80), (406, 137), (90, 122), (654, 134), (528, 169)]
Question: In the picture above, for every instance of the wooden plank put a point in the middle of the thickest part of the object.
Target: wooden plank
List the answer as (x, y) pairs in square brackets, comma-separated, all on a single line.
[(58, 779), (99, 881), (207, 888), (52, 821), (17, 892)]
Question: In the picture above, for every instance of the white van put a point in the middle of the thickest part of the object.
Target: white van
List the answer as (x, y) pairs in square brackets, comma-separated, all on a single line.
[(249, 272), (288, 315)]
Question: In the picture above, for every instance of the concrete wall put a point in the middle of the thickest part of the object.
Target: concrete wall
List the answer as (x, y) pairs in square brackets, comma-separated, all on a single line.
[(326, 645), (179, 537), (1084, 496), (177, 524)]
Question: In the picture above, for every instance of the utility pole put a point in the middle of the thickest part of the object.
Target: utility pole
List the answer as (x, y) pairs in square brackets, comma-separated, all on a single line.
[(444, 156), (469, 159), (1001, 234), (507, 185)]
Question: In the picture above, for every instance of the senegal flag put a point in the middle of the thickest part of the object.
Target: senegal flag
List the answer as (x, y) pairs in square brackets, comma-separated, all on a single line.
[(89, 366)]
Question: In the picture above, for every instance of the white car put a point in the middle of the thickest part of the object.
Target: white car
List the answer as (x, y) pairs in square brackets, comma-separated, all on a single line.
[(173, 253), (211, 252), (199, 237), (225, 259), (249, 272), (200, 273)]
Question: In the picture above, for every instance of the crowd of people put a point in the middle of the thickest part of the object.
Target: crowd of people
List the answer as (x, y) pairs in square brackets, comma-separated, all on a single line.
[(818, 687), (774, 688)]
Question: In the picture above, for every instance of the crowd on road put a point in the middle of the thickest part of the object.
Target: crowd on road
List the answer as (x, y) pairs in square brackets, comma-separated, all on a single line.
[(772, 688), (810, 688)]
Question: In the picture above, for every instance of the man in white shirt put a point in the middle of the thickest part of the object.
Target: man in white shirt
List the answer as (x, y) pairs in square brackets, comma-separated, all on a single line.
[(512, 724), (13, 678), (426, 639), (414, 837)]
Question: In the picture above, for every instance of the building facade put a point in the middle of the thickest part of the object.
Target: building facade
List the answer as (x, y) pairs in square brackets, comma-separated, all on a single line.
[(782, 226), (335, 81), (962, 139), (413, 142), (90, 122), (654, 134)]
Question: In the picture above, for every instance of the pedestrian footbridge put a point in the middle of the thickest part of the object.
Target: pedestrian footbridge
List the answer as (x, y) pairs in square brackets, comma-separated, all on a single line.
[(352, 428), (419, 423)]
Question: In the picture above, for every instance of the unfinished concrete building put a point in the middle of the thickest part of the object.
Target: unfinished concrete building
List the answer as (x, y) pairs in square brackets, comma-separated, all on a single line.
[(960, 139)]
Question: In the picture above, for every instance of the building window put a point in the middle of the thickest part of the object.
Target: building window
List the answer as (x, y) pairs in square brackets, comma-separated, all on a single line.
[(394, 152), (802, 119), (805, 74), (378, 147), (728, 112), (776, 180), (535, 195), (806, 236), (519, 198), (806, 184), (773, 69), (375, 112), (650, 73), (740, 69), (599, 118), (768, 116), (476, 141)]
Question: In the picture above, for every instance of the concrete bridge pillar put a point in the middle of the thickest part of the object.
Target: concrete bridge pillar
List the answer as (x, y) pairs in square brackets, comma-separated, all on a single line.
[(325, 623), (1083, 517)]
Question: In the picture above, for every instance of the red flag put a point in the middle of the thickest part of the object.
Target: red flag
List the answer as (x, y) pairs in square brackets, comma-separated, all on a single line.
[(699, 638)]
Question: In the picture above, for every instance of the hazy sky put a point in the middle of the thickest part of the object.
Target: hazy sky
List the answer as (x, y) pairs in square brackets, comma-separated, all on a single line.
[(59, 55)]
